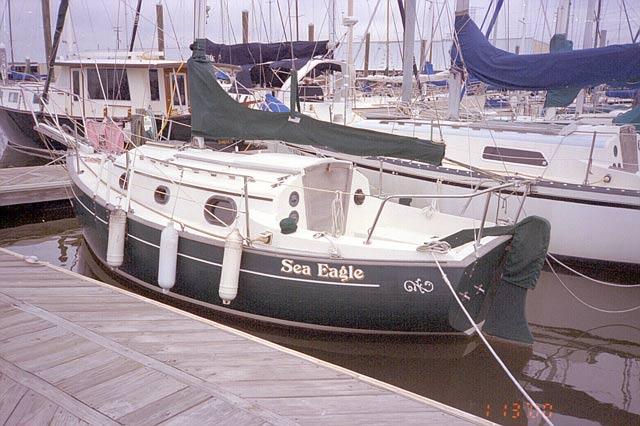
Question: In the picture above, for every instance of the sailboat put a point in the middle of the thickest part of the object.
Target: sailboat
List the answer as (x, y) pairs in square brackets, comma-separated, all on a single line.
[(585, 177), (292, 240)]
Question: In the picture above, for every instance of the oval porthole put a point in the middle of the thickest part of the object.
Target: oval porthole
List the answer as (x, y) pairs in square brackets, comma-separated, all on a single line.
[(294, 199), (220, 211), (161, 194), (294, 216), (359, 197), (124, 180), (615, 150)]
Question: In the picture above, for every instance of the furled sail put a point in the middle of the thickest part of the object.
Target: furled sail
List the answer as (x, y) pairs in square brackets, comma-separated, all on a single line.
[(578, 68), (215, 115), (257, 53)]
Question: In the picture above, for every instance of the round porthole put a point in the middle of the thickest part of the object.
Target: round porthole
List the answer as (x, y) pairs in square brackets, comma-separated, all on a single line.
[(294, 199), (220, 211), (124, 180), (615, 150), (359, 197), (294, 216), (161, 194)]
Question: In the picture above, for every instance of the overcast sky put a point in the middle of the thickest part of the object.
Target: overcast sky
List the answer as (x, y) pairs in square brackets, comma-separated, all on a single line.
[(95, 22)]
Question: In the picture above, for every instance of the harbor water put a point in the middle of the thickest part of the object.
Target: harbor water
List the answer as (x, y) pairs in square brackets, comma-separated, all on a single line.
[(583, 369)]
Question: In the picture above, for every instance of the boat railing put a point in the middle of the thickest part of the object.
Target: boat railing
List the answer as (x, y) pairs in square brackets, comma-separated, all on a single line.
[(488, 192)]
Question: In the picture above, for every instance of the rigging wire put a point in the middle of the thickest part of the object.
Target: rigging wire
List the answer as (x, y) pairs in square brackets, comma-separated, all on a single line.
[(605, 283), (595, 308)]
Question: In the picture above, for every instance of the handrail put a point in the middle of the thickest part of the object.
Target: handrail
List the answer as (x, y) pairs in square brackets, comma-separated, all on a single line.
[(471, 195)]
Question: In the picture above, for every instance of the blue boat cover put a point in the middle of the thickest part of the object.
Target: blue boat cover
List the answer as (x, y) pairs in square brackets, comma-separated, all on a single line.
[(623, 94), (578, 68), (273, 104)]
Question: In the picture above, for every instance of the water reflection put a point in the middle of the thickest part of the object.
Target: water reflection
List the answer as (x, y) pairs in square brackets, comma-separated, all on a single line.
[(584, 367)]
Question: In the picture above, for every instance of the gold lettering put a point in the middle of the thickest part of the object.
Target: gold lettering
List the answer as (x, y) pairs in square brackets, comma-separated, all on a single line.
[(287, 266)]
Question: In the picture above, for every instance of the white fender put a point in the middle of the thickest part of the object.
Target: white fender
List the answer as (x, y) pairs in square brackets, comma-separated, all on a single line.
[(168, 257), (115, 243), (230, 267)]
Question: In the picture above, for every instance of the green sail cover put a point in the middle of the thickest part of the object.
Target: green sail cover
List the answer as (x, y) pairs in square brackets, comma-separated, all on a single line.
[(560, 98), (215, 115), (630, 117), (522, 265)]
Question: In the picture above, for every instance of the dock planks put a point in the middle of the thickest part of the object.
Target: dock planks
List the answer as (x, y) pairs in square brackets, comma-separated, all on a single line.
[(76, 351), (28, 185)]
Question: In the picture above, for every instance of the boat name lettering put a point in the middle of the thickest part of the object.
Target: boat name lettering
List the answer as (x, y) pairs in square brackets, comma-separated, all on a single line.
[(418, 286), (343, 273)]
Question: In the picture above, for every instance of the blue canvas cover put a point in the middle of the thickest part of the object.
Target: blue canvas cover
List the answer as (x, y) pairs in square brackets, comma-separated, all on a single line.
[(273, 104), (578, 68), (257, 53), (622, 94)]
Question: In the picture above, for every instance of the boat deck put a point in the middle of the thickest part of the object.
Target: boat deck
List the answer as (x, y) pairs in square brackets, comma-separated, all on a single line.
[(74, 350), (28, 185)]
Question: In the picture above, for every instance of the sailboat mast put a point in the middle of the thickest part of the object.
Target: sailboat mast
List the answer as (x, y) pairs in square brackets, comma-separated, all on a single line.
[(136, 19), (386, 70), (46, 29), (199, 19), (455, 76), (62, 14), (525, 12), (10, 33), (349, 21), (595, 40), (407, 49), (562, 21)]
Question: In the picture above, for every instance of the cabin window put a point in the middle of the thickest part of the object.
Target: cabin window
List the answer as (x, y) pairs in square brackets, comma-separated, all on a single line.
[(123, 181), (13, 97), (359, 197), (154, 85), (110, 82), (76, 84), (294, 199), (161, 194), (179, 95), (220, 211), (510, 155)]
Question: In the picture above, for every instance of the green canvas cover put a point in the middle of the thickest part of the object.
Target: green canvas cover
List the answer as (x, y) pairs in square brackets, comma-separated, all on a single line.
[(560, 98), (630, 117), (215, 115), (521, 269)]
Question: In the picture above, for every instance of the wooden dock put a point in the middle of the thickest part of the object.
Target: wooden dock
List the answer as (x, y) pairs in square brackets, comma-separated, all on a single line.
[(74, 350), (28, 185)]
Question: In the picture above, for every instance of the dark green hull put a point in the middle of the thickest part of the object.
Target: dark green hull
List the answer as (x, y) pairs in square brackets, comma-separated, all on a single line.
[(384, 301)]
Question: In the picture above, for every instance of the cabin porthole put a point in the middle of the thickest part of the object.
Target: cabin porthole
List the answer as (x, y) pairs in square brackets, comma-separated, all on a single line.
[(124, 180), (359, 197), (295, 216), (615, 150), (220, 211), (161, 194), (294, 199)]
